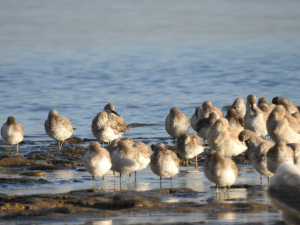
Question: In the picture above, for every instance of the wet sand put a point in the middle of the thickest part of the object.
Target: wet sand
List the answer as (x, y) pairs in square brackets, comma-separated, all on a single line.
[(29, 170)]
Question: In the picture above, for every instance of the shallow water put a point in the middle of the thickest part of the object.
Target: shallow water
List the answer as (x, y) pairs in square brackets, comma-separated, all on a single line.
[(144, 57)]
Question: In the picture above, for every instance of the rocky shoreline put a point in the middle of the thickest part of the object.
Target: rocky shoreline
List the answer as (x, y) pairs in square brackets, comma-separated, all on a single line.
[(89, 203)]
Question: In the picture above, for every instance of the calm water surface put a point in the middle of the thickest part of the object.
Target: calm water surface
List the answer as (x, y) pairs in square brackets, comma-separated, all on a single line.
[(144, 57)]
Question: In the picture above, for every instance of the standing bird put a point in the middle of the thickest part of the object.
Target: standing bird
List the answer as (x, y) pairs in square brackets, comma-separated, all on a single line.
[(224, 138), (204, 125), (108, 125), (239, 106), (257, 151), (289, 107), (235, 120), (96, 161), (176, 123), (58, 127), (260, 159), (194, 118), (189, 146), (125, 158), (145, 153), (284, 190), (265, 106), (279, 154), (252, 141), (282, 126), (207, 108), (220, 169), (255, 119), (164, 163), (12, 132)]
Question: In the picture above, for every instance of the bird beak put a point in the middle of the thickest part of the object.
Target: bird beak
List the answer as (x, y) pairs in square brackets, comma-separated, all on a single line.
[(115, 113)]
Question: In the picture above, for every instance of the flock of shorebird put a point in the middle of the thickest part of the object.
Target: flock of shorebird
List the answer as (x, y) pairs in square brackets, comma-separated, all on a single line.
[(242, 130)]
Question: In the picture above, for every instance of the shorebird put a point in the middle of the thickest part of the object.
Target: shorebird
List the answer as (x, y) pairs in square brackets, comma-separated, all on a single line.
[(224, 138), (259, 159), (194, 118), (282, 126), (239, 106), (96, 161), (255, 119), (207, 108), (12, 132), (220, 169), (204, 125), (279, 154), (176, 123), (189, 146), (164, 163), (284, 189), (125, 158), (235, 120), (108, 125), (289, 107), (252, 141), (264, 105), (58, 127), (145, 153)]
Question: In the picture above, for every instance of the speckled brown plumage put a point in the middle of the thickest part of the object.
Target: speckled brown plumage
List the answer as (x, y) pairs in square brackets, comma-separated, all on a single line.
[(207, 108), (164, 163), (108, 125), (279, 154), (235, 120), (282, 126), (219, 169), (205, 124), (176, 123), (289, 107), (58, 127), (239, 106)]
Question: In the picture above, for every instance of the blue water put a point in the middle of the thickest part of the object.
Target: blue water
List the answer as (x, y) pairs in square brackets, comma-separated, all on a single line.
[(144, 58)]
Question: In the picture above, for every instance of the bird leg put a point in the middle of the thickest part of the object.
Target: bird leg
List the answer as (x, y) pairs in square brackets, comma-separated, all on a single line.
[(135, 176), (103, 183), (9, 148), (129, 177), (93, 182), (187, 164), (60, 144), (17, 148), (196, 162), (160, 179)]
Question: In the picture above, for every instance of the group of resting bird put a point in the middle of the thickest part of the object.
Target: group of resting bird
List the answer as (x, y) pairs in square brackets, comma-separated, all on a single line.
[(243, 130)]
